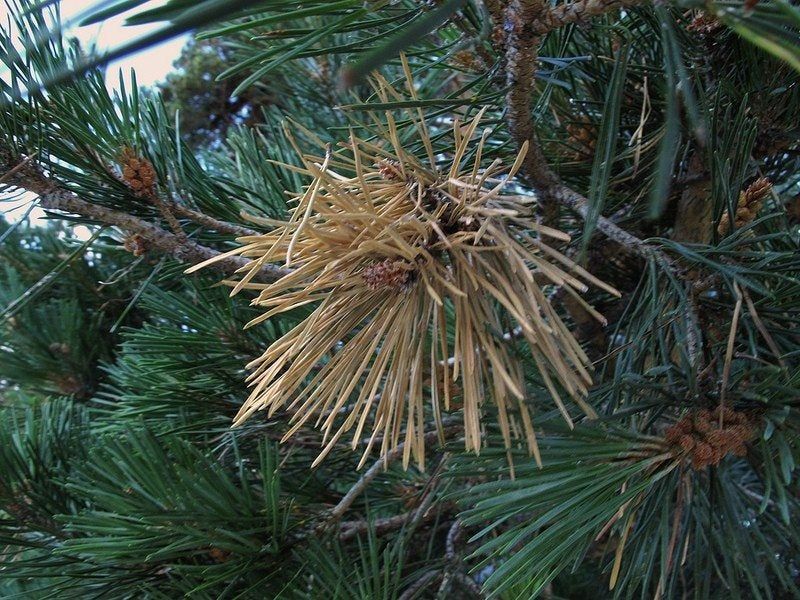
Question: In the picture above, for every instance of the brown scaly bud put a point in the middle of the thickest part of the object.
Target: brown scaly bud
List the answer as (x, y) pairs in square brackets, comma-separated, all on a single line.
[(582, 138), (390, 170), (704, 442), (409, 494), (749, 204), (135, 244), (702, 455), (673, 435), (467, 60), (387, 274), (704, 24), (218, 555), (69, 385), (137, 173), (498, 36), (57, 348)]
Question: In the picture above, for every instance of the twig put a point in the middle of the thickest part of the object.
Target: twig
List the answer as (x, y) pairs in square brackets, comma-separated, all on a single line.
[(16, 169), (454, 570), (477, 43), (420, 584), (575, 12), (522, 52), (451, 558), (358, 488), (523, 20), (453, 536), (53, 196), (580, 205), (694, 344), (413, 518), (469, 584), (350, 529), (211, 222), (165, 211)]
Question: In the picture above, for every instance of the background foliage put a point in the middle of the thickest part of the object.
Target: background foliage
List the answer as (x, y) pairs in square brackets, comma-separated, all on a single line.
[(119, 375)]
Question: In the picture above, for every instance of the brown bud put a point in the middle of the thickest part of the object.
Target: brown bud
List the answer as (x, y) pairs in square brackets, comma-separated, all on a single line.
[(387, 274), (390, 170), (135, 244)]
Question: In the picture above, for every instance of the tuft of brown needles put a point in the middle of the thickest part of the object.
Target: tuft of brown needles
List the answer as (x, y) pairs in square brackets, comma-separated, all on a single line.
[(418, 270)]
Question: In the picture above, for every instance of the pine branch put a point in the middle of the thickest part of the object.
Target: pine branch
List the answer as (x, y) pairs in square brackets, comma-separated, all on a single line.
[(576, 12), (210, 222), (527, 20), (380, 465), (522, 53), (350, 529), (571, 199), (53, 196)]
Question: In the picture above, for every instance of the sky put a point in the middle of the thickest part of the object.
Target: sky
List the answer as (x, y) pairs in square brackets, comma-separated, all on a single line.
[(151, 66)]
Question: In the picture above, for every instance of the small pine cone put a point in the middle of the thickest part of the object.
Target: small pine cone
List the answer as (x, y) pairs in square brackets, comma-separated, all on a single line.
[(135, 244), (467, 60), (390, 170), (219, 555), (137, 173), (704, 24), (719, 439), (703, 425), (703, 450), (673, 435), (702, 455), (387, 274), (741, 434), (724, 224), (582, 138), (756, 193), (716, 456), (687, 442), (749, 204), (57, 348), (408, 494), (729, 415), (743, 217), (685, 425), (739, 450), (69, 385)]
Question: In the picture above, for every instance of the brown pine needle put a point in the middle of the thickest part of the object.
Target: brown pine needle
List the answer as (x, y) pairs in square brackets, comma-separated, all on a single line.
[(414, 268)]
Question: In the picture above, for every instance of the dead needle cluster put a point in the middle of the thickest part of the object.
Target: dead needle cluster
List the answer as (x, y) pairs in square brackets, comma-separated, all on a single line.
[(416, 269)]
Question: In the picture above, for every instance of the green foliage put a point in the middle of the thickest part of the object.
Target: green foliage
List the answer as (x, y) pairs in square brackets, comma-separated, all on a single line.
[(119, 375)]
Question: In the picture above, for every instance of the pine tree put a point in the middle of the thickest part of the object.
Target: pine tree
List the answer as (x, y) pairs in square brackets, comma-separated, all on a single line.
[(514, 313)]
